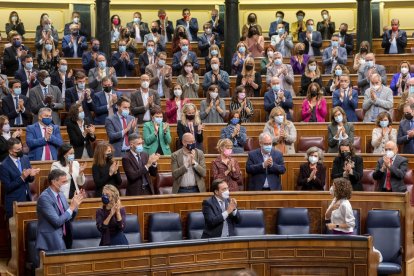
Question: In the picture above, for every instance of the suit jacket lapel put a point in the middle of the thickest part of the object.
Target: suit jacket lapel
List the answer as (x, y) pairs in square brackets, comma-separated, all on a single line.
[(217, 205), (117, 121)]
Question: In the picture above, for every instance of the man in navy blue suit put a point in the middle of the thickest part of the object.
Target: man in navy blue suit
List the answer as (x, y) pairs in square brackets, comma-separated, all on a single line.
[(105, 101), (74, 44), (207, 39), (180, 57), (16, 175), (27, 75), (80, 94), (43, 138), (405, 135), (264, 166), (123, 61), (220, 212), (190, 24), (89, 57)]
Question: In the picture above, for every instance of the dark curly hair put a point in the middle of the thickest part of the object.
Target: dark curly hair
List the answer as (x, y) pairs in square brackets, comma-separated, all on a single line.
[(343, 188), (74, 112)]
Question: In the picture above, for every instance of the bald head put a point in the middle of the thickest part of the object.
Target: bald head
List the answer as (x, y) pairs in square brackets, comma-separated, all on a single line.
[(391, 146), (187, 139)]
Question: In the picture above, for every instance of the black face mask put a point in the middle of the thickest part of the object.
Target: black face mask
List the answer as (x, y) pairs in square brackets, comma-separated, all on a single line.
[(95, 48), (252, 19), (107, 89), (346, 154), (127, 35), (408, 116), (190, 117), (154, 30), (343, 32), (19, 154), (249, 67), (301, 52), (109, 157), (191, 146), (314, 93), (363, 50)]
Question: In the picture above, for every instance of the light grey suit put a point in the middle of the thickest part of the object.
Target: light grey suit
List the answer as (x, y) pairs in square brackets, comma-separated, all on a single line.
[(328, 60), (36, 98), (114, 130), (94, 81), (384, 102), (179, 169), (363, 81), (152, 71), (286, 81)]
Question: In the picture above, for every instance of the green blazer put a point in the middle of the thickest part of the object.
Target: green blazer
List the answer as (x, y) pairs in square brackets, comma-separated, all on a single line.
[(151, 141)]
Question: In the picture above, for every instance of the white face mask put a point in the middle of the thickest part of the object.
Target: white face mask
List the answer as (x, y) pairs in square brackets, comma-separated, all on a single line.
[(178, 92), (313, 159), (213, 95), (145, 84), (404, 70), (389, 153), (331, 191), (225, 194)]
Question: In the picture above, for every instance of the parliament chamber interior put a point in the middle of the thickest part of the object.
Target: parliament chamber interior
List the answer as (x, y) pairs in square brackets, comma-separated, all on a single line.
[(235, 137)]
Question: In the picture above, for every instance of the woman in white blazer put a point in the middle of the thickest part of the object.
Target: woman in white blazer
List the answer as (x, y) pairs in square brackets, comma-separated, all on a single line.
[(74, 171)]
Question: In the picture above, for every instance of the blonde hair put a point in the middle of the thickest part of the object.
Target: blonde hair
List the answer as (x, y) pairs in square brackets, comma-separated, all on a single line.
[(275, 111), (248, 59), (45, 53), (186, 108), (223, 143), (214, 47), (113, 190)]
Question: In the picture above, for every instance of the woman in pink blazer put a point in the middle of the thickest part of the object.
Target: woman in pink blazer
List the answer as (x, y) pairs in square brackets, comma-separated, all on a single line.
[(314, 106), (175, 104)]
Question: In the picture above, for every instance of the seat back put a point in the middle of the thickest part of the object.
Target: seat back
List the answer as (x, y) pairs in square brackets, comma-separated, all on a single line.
[(132, 230), (85, 234), (89, 186), (367, 181), (357, 144), (164, 227), (163, 183), (251, 144), (292, 221), (251, 223), (305, 142), (385, 227), (195, 225), (31, 235), (360, 114)]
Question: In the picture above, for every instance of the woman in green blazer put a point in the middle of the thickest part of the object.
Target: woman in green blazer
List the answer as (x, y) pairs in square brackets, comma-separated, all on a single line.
[(157, 137)]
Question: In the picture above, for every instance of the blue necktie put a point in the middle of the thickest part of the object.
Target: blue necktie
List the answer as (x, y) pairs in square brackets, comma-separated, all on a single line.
[(19, 165), (18, 119)]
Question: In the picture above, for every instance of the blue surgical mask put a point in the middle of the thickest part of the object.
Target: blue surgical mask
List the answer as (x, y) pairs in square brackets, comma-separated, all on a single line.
[(276, 87), (47, 121), (102, 64), (214, 52), (384, 124), (370, 63), (411, 89), (139, 149), (339, 119), (334, 43), (267, 148), (278, 61), (122, 48), (338, 72), (242, 49), (63, 68), (48, 47), (17, 91), (309, 28), (150, 50), (184, 48), (81, 86), (157, 120), (71, 157), (279, 119), (235, 121), (105, 199), (81, 115), (137, 20), (161, 62), (29, 66), (125, 113), (281, 31), (312, 68)]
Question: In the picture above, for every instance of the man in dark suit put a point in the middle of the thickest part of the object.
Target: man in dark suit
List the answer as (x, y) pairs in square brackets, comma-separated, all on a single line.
[(123, 61), (16, 176), (61, 77), (181, 56), (137, 27), (217, 23), (312, 39), (43, 138), (279, 19), (207, 39), (138, 167), (394, 41), (264, 166), (147, 57), (346, 40), (391, 169), (102, 70), (46, 95), (74, 44), (276, 97), (105, 102), (405, 134), (80, 94), (89, 57), (166, 26), (54, 215), (220, 212), (143, 100), (26, 75), (189, 23), (76, 20), (16, 106), (13, 55), (119, 126)]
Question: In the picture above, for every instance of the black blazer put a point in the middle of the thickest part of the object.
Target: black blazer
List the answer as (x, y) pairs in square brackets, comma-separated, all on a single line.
[(169, 30), (4, 149), (71, 97), (8, 108), (349, 43), (135, 171), (101, 178), (55, 80), (214, 219), (77, 140), (10, 61), (143, 61), (398, 169), (182, 129), (257, 80), (306, 81), (401, 41), (338, 170), (315, 184)]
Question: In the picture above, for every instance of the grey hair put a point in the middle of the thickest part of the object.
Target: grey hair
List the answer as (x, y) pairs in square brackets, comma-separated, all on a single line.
[(315, 149), (263, 135), (44, 109)]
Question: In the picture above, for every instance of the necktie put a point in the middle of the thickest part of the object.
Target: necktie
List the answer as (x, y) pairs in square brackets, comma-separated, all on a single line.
[(47, 148), (28, 78), (110, 110), (19, 165), (18, 119), (62, 211), (144, 178), (225, 231), (124, 126), (388, 179), (45, 91)]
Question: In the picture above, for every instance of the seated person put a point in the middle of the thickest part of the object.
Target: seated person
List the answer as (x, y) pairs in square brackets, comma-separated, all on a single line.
[(391, 169), (123, 61), (217, 76), (274, 26), (48, 57), (264, 166), (348, 165), (312, 174), (147, 57), (213, 52), (383, 132), (250, 78), (282, 131), (237, 62), (255, 42), (46, 95), (74, 44), (5, 136), (160, 75), (76, 20), (213, 108), (62, 78), (182, 56), (312, 39), (190, 122), (299, 59), (339, 129), (326, 27), (104, 101), (81, 95), (207, 39), (154, 35), (156, 133), (282, 41), (333, 55), (215, 212), (377, 99), (314, 106), (26, 75), (175, 104), (278, 97), (43, 138), (227, 168), (235, 132), (190, 24), (366, 71), (346, 97), (312, 75), (282, 71), (110, 219), (13, 55), (105, 170), (97, 74), (74, 171), (242, 104), (399, 83), (89, 57), (143, 100), (16, 106), (81, 132)]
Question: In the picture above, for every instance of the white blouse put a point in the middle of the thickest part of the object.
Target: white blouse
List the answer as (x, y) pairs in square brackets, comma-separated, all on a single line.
[(78, 179), (343, 215)]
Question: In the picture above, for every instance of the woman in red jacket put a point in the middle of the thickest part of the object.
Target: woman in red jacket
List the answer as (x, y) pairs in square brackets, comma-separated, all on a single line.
[(175, 104)]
